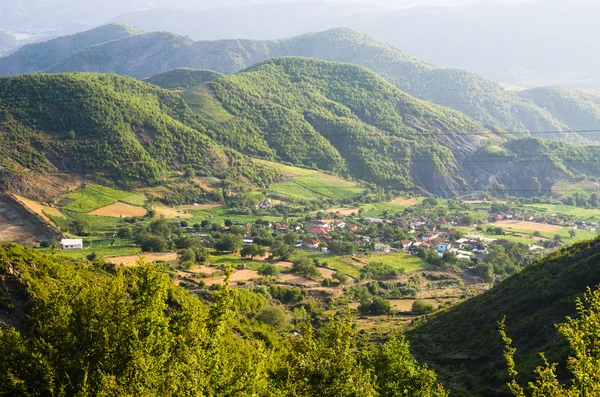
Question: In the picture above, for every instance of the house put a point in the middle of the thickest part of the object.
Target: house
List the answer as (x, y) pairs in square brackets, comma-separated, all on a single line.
[(317, 230), (311, 243), (248, 241), (495, 218), (323, 224), (430, 236), (406, 244), (265, 205), (382, 248), (441, 248), (71, 244), (339, 224)]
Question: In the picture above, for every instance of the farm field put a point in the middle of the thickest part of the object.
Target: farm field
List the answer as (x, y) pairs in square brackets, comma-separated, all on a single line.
[(170, 213), (405, 202), (580, 213), (120, 210), (93, 197), (400, 260), (310, 184), (523, 225), (38, 208), (132, 260)]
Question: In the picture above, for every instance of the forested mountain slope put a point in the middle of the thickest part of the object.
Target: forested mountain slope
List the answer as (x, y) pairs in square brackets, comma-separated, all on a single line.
[(182, 78), (580, 109), (152, 53), (109, 126), (464, 345), (41, 56), (341, 118)]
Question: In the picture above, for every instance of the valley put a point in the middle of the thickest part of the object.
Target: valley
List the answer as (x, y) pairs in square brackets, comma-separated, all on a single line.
[(319, 215)]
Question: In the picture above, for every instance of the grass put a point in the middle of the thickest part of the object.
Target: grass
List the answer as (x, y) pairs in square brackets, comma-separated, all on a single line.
[(400, 261), (375, 210), (92, 197), (580, 213), (97, 223), (219, 215), (338, 263), (308, 184), (217, 258), (202, 101)]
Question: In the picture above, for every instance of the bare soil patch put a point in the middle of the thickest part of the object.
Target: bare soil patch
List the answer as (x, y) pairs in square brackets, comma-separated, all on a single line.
[(297, 280), (132, 260), (170, 213), (120, 210), (38, 208), (542, 227), (407, 202), (344, 211), (326, 273)]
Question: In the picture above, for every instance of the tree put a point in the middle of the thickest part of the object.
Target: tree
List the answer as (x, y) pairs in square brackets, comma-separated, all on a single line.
[(341, 277), (421, 307), (485, 271), (572, 233), (125, 232), (430, 202), (290, 238), (282, 251), (593, 201), (253, 250), (273, 316), (228, 222), (306, 268), (582, 335), (229, 243), (376, 306), (154, 244), (268, 269), (398, 374)]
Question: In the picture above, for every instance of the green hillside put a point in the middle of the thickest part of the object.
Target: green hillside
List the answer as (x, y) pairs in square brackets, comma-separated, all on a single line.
[(41, 56), (579, 109), (105, 125), (464, 345), (182, 78), (344, 119), (154, 53)]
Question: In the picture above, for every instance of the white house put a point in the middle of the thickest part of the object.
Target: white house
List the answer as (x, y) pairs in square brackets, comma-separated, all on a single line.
[(71, 244)]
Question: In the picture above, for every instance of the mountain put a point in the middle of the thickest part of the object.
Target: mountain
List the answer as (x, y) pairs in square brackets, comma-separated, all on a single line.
[(140, 56), (510, 42), (146, 54), (340, 118), (107, 126), (463, 343), (182, 78), (270, 20), (515, 43), (8, 42), (578, 108), (39, 57)]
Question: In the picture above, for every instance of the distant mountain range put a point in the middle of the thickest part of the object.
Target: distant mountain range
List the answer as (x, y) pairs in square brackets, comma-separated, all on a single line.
[(524, 43), (126, 51)]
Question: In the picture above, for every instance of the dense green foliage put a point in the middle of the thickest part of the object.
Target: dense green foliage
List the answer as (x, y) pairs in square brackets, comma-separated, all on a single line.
[(340, 118), (463, 343), (182, 78), (88, 329), (584, 361), (579, 109), (108, 126)]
